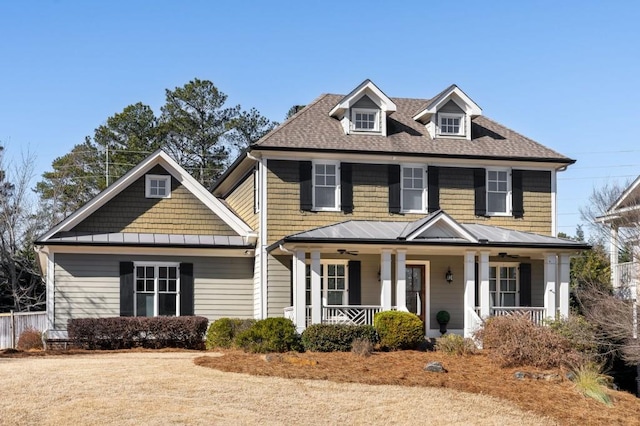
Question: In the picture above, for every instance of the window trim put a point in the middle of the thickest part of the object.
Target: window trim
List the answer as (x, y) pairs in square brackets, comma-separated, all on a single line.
[(425, 186), (508, 196), (147, 186), (156, 287), (460, 116), (337, 192), (499, 265), (376, 124), (324, 289)]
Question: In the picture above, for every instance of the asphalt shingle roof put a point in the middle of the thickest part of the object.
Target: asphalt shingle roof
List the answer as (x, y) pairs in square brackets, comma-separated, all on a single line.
[(312, 128)]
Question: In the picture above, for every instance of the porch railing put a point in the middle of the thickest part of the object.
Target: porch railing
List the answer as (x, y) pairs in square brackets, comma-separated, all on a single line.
[(627, 279), (290, 313), (352, 315), (536, 315)]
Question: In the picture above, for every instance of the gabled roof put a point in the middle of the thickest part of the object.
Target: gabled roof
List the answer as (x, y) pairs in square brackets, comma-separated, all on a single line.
[(157, 158), (366, 87), (436, 225), (454, 93)]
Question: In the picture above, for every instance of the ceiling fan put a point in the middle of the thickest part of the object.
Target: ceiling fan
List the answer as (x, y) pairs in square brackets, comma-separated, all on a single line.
[(511, 256), (350, 252)]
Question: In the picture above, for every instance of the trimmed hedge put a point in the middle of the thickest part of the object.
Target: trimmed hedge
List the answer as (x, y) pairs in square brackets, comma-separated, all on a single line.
[(336, 337), (399, 330), (270, 335), (128, 332), (222, 332)]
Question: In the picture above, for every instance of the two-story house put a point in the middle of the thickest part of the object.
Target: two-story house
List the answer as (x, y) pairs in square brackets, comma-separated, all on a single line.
[(356, 204)]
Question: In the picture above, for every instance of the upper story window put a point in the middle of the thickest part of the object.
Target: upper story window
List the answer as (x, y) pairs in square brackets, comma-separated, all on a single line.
[(413, 189), (157, 289), (366, 120), (498, 192), (158, 186), (326, 186), (451, 124)]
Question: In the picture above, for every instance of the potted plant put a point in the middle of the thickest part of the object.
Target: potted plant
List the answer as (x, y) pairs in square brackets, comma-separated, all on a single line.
[(443, 318)]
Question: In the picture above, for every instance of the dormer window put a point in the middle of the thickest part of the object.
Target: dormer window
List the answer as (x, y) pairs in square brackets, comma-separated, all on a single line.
[(451, 124), (366, 120), (158, 186)]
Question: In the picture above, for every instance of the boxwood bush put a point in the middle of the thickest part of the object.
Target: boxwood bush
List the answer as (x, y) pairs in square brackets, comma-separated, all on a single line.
[(270, 335), (222, 332), (336, 337), (399, 330), (129, 332)]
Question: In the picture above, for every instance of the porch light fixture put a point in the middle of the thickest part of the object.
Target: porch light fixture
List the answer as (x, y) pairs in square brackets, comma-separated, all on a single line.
[(448, 276)]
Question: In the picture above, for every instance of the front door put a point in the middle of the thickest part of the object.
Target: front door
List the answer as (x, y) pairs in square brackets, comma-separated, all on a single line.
[(415, 290)]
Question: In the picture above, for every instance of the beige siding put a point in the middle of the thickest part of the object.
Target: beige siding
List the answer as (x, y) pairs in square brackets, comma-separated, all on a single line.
[(445, 296), (89, 285), (241, 201), (278, 284), (131, 211)]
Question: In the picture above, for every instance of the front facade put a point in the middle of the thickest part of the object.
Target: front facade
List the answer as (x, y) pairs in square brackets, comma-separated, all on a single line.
[(357, 204)]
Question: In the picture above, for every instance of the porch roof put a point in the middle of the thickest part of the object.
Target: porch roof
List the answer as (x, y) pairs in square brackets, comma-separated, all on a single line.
[(147, 240)]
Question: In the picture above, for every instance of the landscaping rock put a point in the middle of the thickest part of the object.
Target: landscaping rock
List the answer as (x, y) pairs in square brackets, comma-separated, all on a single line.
[(435, 367), (549, 377)]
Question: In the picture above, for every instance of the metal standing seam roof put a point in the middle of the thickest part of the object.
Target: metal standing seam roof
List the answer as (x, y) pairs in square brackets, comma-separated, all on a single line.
[(312, 128), (147, 239)]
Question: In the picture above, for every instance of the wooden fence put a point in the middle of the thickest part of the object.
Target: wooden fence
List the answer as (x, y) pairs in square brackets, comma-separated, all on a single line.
[(12, 324)]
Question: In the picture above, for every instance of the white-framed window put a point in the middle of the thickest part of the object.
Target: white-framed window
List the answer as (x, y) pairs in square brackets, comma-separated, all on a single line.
[(157, 289), (326, 185), (451, 124), (158, 186), (335, 274), (499, 192), (503, 285), (414, 189), (365, 120)]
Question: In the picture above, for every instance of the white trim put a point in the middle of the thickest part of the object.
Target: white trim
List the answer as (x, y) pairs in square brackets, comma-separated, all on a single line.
[(262, 244), (366, 87), (469, 292), (550, 287), (316, 287), (442, 216), (148, 180), (483, 280), (498, 291), (376, 120), (623, 196), (299, 290), (171, 166), (554, 203), (425, 186), (51, 290), (454, 93), (401, 280), (337, 188), (563, 288), (385, 280), (426, 303), (508, 195), (156, 285), (135, 250), (462, 128)]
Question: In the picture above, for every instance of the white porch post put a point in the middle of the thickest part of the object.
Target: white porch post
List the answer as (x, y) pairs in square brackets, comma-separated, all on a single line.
[(563, 288), (550, 279), (614, 243), (483, 271), (316, 291), (469, 291), (385, 280), (299, 290), (401, 280)]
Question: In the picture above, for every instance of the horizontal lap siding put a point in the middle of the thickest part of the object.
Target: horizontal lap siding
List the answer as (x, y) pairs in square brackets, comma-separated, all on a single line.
[(445, 296), (241, 201), (89, 285), (278, 284)]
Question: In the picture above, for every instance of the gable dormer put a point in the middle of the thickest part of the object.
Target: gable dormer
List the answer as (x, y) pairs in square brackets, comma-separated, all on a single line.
[(449, 114), (364, 110)]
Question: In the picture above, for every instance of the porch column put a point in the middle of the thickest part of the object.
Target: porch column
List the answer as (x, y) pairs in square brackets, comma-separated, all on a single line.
[(550, 279), (299, 290), (563, 288), (469, 292), (401, 280), (316, 291), (483, 271), (385, 280), (614, 243)]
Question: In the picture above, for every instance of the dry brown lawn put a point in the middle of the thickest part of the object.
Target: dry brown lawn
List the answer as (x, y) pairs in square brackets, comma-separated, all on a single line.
[(134, 388)]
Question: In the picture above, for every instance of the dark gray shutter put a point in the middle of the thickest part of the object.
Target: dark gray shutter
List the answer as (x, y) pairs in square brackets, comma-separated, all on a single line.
[(346, 187), (433, 178), (516, 194), (480, 185), (394, 188), (126, 289), (354, 282), (525, 284), (306, 188), (477, 298), (186, 289)]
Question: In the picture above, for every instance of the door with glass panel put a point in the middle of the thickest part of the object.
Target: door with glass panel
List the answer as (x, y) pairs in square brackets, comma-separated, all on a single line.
[(415, 290)]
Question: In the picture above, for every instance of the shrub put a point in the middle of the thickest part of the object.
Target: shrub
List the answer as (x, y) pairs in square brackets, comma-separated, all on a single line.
[(270, 335), (591, 382), (222, 332), (336, 337), (516, 341), (127, 332), (454, 344), (362, 347), (29, 339), (443, 317), (577, 330), (398, 330)]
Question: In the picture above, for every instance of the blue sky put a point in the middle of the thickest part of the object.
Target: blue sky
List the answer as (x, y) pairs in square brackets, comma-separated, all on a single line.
[(566, 74)]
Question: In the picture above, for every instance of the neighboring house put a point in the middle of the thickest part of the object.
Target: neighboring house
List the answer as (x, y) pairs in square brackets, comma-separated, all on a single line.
[(356, 204)]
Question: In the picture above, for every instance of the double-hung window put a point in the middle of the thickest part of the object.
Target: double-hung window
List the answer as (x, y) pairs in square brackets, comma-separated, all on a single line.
[(503, 285), (366, 120), (498, 192), (158, 186), (414, 189), (326, 185), (334, 283), (451, 124), (157, 289)]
